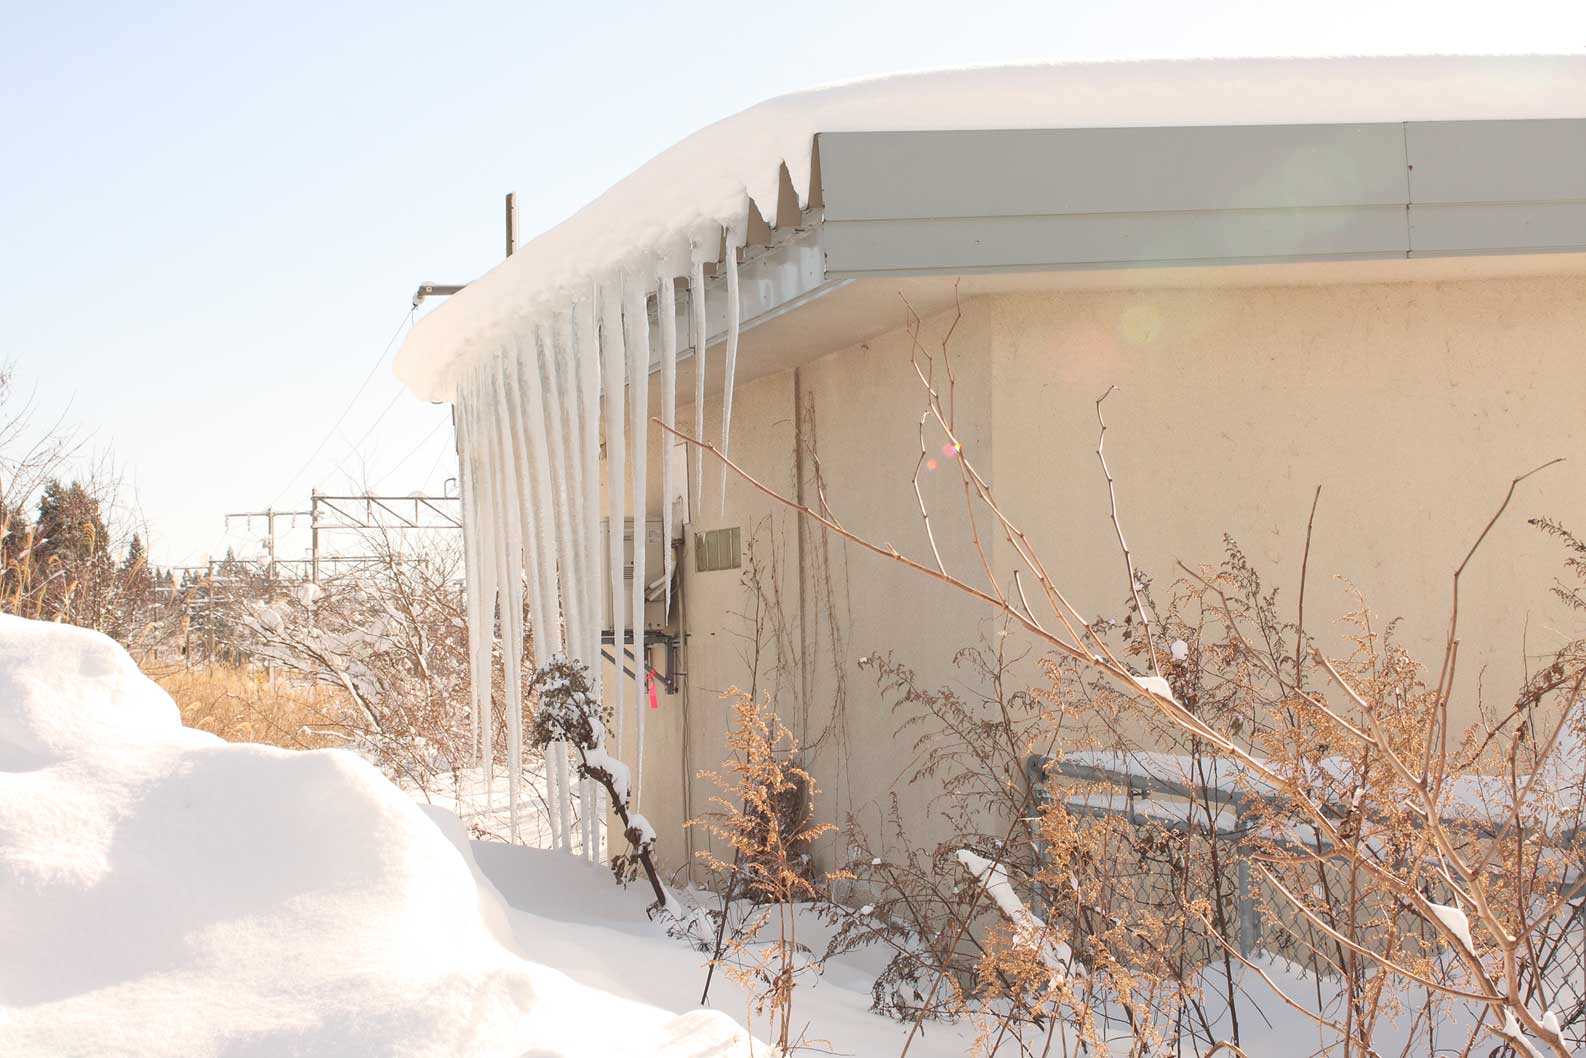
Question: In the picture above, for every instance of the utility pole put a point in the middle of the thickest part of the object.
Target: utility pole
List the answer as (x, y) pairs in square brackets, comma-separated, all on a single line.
[(269, 514), (512, 222), (361, 512), (209, 613), (416, 510), (313, 521), (430, 290)]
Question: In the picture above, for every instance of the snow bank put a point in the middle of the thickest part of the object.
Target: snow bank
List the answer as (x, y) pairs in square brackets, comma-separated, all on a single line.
[(676, 205), (166, 893)]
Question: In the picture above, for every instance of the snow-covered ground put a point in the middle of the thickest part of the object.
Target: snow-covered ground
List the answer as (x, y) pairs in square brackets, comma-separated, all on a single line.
[(163, 892), (569, 913), (463, 793), (166, 893)]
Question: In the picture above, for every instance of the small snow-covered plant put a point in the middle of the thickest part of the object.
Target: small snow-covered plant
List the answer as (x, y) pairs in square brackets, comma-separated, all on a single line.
[(764, 813), (383, 649), (569, 713), (909, 913)]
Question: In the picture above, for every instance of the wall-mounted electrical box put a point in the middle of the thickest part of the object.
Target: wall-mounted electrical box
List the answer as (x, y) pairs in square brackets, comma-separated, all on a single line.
[(655, 616)]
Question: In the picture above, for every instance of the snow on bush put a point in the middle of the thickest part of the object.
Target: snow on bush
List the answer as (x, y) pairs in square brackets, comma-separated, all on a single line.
[(1030, 930), (1456, 922), (569, 714), (166, 893)]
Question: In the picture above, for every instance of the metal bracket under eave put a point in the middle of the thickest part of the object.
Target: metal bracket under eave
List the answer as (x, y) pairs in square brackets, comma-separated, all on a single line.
[(772, 280), (667, 679), (432, 290)]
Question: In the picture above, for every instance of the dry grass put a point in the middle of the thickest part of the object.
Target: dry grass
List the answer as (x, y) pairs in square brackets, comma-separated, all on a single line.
[(239, 705)]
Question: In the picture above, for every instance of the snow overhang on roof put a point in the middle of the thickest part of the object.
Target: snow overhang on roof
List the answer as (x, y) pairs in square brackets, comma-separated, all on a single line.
[(725, 184)]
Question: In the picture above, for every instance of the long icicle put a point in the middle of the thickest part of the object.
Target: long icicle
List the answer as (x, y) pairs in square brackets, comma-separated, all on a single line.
[(638, 319), (468, 490), (581, 370), (666, 312), (734, 313), (494, 443), (570, 423), (516, 542), (548, 640), (531, 507), (555, 419), (483, 605), (613, 354), (575, 559), (555, 790), (533, 502), (587, 345), (697, 321), (497, 454)]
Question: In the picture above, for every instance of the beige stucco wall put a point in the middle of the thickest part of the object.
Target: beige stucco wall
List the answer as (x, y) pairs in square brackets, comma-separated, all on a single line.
[(1412, 405)]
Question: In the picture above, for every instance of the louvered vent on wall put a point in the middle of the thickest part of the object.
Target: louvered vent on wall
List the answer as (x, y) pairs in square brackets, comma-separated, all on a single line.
[(717, 549)]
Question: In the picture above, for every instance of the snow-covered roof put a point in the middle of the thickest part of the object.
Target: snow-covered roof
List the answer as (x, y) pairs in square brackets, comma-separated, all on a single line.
[(676, 206)]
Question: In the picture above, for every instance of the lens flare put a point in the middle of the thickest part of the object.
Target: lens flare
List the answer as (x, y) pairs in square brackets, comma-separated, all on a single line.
[(1140, 324)]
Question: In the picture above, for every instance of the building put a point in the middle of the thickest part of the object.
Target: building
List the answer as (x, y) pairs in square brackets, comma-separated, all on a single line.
[(1367, 275)]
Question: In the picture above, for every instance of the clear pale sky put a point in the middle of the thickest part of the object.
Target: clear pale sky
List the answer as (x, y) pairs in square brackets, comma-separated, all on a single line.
[(213, 216)]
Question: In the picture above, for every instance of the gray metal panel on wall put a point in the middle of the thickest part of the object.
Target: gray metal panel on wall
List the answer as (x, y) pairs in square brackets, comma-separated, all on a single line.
[(1497, 161), (1001, 173), (1094, 198), (1517, 227), (981, 243)]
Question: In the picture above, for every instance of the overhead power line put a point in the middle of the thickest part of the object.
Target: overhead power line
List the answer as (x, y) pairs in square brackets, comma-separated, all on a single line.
[(357, 445), (399, 464), (407, 318)]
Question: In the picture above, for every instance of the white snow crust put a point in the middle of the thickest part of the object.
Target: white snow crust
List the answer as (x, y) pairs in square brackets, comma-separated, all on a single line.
[(1156, 685), (675, 207), (1456, 922), (1054, 953), (643, 827), (621, 779), (166, 893)]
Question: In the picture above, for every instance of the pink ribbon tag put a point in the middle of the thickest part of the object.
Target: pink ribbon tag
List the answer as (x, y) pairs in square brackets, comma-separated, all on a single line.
[(649, 682)]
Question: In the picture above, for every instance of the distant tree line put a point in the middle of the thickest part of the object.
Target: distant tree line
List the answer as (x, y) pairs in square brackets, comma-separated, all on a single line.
[(59, 561)]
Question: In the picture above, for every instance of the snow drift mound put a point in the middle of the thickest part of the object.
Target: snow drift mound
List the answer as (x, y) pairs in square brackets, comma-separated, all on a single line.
[(163, 892)]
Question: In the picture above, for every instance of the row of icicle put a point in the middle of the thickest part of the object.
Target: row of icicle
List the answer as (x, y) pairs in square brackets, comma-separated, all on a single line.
[(528, 432)]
